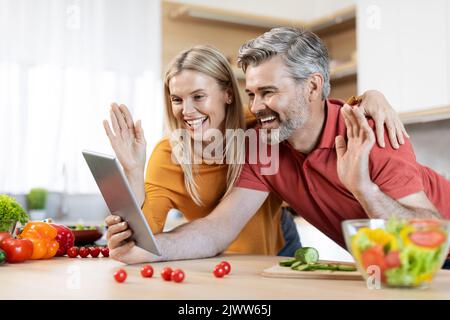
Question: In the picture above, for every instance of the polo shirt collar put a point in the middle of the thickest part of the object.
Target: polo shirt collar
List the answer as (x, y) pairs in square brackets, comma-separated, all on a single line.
[(334, 125)]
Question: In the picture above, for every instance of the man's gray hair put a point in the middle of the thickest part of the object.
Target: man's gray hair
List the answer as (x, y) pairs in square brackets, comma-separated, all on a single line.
[(302, 51)]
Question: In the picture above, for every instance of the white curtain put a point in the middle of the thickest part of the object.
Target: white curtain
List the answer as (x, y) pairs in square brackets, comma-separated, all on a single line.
[(62, 62)]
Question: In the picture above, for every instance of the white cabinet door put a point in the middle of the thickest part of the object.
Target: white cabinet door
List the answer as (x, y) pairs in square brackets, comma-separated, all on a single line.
[(403, 51)]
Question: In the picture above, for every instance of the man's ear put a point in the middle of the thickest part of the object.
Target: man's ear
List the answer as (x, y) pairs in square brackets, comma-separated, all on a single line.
[(315, 87)]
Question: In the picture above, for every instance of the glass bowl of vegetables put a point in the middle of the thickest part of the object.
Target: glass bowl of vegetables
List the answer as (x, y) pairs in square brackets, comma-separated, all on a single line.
[(398, 253)]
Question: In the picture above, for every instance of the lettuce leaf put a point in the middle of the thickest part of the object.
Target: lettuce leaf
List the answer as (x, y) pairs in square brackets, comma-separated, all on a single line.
[(363, 242)]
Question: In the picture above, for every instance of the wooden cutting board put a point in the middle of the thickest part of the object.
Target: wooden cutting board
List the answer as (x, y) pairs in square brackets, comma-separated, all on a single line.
[(278, 271)]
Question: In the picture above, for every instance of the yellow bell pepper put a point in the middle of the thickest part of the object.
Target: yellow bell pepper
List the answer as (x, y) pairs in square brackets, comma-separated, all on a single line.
[(376, 236), (43, 237)]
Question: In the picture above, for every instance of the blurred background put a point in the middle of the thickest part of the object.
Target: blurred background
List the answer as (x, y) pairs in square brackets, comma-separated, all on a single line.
[(62, 62)]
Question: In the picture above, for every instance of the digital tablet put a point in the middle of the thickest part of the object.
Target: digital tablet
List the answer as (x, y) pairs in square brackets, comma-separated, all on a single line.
[(119, 197)]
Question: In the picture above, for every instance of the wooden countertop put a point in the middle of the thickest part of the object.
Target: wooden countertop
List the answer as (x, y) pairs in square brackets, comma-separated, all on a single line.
[(92, 278)]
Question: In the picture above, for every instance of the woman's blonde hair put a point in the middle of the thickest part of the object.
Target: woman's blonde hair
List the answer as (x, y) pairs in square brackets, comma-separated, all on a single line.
[(209, 61)]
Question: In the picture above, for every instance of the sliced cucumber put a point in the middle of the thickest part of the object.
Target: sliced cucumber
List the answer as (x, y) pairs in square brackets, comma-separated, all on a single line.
[(303, 267), (343, 267), (325, 266), (287, 263), (307, 255), (306, 259), (296, 264)]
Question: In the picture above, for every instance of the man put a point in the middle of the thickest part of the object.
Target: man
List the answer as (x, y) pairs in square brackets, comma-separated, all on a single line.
[(322, 176)]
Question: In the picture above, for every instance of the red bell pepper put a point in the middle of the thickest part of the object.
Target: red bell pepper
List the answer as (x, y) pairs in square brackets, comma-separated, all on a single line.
[(65, 238)]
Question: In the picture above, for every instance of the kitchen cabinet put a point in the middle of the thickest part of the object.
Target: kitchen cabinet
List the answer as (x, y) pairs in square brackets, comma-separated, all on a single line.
[(184, 25), (404, 51)]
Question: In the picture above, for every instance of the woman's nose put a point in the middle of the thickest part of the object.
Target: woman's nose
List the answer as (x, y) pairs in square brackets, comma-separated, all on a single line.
[(188, 108)]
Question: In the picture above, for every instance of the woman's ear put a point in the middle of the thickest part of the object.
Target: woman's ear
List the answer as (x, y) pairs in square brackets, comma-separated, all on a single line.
[(228, 96)]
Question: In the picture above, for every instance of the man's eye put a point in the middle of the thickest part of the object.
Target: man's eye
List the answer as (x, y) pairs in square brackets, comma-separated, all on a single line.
[(265, 93), (251, 96), (198, 97)]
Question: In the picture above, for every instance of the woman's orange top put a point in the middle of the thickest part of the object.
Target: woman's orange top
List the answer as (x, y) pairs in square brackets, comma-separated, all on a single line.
[(165, 190)]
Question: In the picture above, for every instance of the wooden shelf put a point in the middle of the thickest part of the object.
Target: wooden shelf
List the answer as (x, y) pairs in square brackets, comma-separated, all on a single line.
[(187, 24), (197, 12), (344, 70), (337, 19), (427, 115)]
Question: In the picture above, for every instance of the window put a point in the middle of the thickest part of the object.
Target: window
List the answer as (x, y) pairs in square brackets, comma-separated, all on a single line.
[(61, 65)]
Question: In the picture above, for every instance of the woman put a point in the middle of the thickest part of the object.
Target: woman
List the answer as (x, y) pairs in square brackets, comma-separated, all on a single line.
[(201, 93)]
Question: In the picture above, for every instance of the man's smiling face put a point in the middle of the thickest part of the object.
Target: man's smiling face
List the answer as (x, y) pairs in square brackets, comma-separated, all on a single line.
[(276, 99)]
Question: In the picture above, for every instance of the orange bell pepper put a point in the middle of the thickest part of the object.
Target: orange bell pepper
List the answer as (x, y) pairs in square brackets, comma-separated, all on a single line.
[(43, 236)]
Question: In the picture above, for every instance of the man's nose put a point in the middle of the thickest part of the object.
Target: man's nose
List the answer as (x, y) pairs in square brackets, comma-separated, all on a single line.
[(257, 105)]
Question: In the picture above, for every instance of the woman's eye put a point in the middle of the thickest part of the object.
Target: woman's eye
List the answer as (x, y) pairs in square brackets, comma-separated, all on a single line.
[(176, 100), (198, 97)]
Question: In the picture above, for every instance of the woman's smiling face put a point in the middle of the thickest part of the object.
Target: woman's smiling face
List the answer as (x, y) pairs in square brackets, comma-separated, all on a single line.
[(198, 103)]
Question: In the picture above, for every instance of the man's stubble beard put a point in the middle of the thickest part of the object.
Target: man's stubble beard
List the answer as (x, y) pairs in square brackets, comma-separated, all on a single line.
[(297, 117)]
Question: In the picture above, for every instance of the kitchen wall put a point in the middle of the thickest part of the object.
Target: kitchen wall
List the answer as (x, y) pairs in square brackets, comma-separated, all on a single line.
[(74, 208), (431, 144), (403, 50)]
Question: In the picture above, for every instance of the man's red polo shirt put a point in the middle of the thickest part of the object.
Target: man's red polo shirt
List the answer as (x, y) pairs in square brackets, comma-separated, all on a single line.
[(310, 184)]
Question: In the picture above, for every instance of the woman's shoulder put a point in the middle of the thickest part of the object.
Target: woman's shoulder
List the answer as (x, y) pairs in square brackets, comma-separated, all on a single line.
[(163, 145), (162, 152), (161, 168)]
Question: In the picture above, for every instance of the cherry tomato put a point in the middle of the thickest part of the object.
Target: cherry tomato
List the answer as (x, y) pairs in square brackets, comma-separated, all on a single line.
[(105, 252), (428, 222), (219, 271), (120, 275), (83, 252), (393, 260), (374, 257), (95, 251), (72, 252), (429, 239), (17, 250), (226, 266), (147, 271), (177, 275), (166, 274)]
